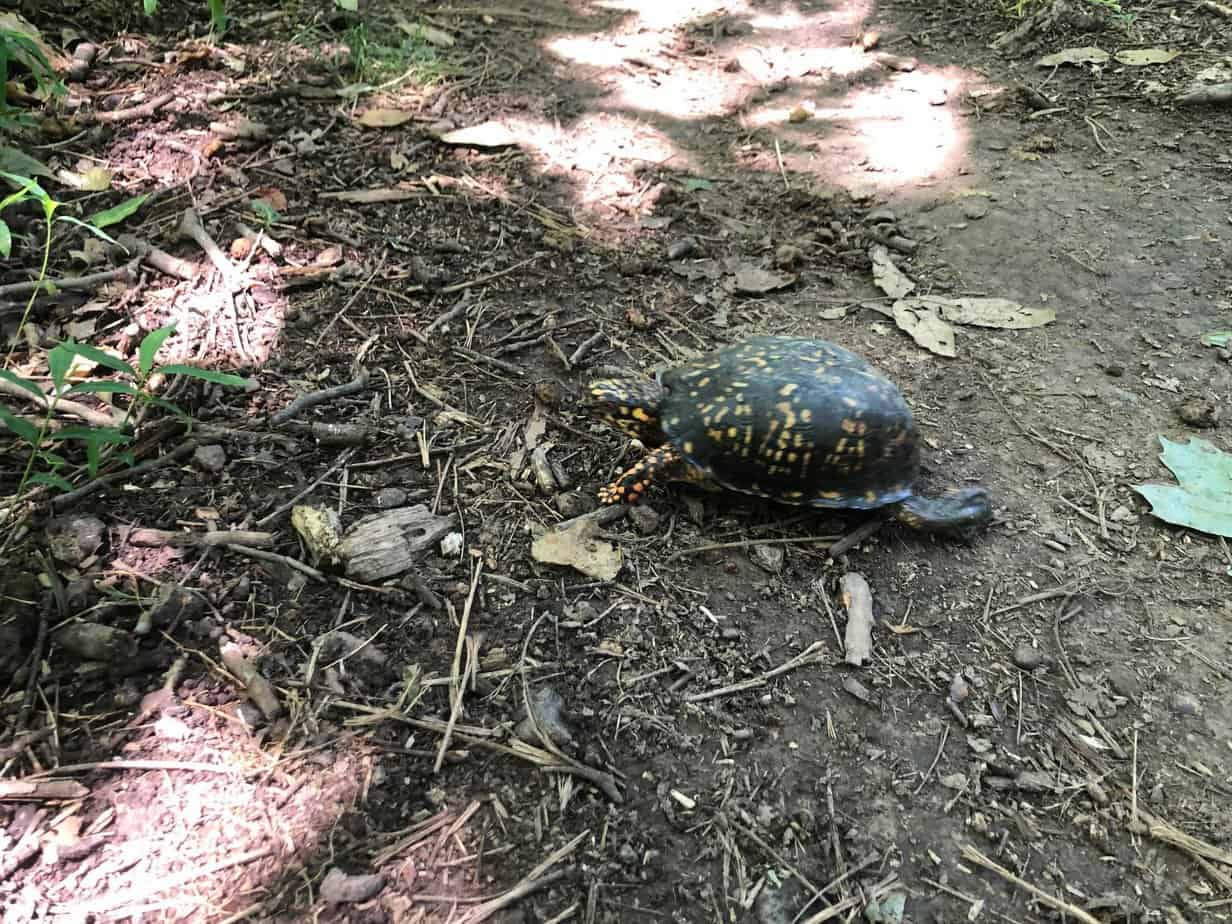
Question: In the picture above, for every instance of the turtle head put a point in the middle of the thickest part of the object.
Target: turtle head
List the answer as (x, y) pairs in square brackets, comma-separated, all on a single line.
[(629, 405)]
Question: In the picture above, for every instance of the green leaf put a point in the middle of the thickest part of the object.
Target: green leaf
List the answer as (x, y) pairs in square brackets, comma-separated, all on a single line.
[(263, 210), (6, 240), (97, 232), (20, 426), (150, 345), (52, 460), (218, 16), (351, 6), (14, 161), (108, 387), (1217, 338), (92, 435), (167, 405), (52, 480), (102, 357), (694, 183), (92, 457), (207, 375), (20, 382), (117, 213), (1202, 499)]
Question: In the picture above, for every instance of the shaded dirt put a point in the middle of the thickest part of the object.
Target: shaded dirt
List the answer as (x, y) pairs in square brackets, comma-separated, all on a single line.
[(1053, 695)]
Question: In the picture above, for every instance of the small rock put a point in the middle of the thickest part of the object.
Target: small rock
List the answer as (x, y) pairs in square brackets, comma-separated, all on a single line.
[(768, 557), (73, 539), (729, 633), (211, 459), (451, 545), (549, 393), (1028, 658), (1114, 370), (881, 217), (645, 518), (974, 208), (787, 256), (681, 248), (627, 855), (573, 504), (766, 814), (1098, 794), (411, 424), (1124, 681), (1198, 412), (389, 497), (549, 716), (1186, 705)]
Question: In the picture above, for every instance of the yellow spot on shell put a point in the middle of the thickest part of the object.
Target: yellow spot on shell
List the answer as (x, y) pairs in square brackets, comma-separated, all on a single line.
[(871, 497), (732, 433), (640, 414), (841, 445), (786, 390), (687, 448), (792, 457), (830, 495), (806, 415)]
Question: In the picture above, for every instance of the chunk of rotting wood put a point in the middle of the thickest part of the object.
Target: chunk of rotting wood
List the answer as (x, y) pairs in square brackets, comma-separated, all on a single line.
[(386, 543)]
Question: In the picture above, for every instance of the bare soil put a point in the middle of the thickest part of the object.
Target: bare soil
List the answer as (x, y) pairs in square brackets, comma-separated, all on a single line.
[(1051, 698)]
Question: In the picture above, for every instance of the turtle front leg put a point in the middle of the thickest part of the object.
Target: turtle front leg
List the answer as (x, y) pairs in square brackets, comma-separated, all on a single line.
[(664, 463)]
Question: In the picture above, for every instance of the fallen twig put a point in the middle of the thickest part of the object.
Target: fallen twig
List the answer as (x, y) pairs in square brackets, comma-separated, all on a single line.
[(457, 686), (1057, 904), (160, 538), (749, 543), (126, 272), (810, 655), (180, 452), (132, 113), (303, 402)]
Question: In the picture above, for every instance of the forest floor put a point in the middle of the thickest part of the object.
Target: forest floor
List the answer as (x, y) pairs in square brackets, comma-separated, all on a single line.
[(1044, 729)]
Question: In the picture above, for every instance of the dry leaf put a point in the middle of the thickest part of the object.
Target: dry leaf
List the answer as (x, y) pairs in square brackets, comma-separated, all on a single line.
[(1001, 313), (1076, 56), (487, 135), (1140, 57), (753, 280), (925, 327), (385, 118), (369, 196), (575, 543), (888, 277)]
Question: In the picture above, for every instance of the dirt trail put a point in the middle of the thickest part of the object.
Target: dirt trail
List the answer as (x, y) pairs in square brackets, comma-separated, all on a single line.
[(1053, 696)]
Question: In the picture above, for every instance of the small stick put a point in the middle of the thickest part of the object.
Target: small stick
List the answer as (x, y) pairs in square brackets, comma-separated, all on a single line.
[(126, 273), (810, 655), (274, 557), (190, 227), (161, 538), (858, 535), (491, 361), (456, 311), (461, 286), (159, 259), (457, 688), (1051, 901), (68, 406), (584, 348), (180, 452), (857, 597), (303, 402), (749, 543), (144, 111), (282, 508)]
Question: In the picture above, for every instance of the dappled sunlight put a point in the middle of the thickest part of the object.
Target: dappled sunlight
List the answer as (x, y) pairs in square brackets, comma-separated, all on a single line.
[(819, 100)]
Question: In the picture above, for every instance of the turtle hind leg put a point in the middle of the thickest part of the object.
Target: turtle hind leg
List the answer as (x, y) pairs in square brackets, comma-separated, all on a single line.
[(664, 463), (963, 511)]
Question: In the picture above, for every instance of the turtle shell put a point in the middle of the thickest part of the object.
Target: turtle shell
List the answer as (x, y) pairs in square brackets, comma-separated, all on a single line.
[(800, 421)]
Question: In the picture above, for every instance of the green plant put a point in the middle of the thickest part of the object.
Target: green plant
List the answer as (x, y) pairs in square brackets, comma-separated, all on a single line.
[(412, 56), (21, 47), (100, 442), (218, 13)]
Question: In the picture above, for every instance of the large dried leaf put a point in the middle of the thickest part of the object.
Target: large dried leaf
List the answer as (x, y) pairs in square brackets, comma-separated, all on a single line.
[(486, 135), (575, 543), (1076, 56), (753, 280), (887, 276), (385, 118), (925, 326), (1140, 57), (1202, 497), (992, 312)]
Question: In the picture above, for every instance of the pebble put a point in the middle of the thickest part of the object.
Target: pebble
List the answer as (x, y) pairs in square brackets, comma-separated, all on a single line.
[(974, 208), (389, 497), (573, 504), (211, 459), (1186, 705), (681, 248), (769, 557), (1028, 658), (627, 855), (645, 518), (1124, 681)]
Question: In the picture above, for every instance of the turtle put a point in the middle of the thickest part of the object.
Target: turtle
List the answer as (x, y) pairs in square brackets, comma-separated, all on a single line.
[(800, 421)]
